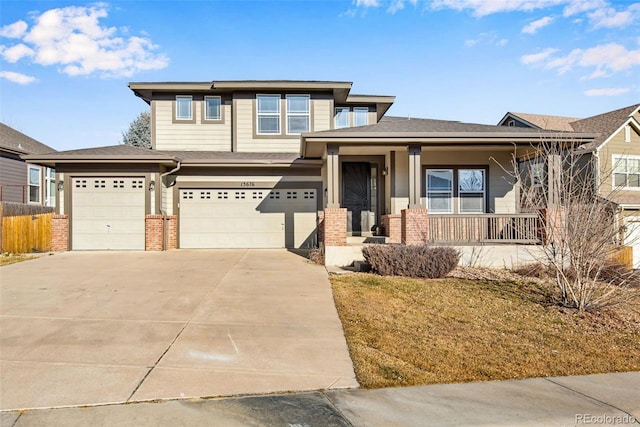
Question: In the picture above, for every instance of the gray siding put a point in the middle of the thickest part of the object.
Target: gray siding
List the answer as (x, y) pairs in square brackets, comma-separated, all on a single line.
[(13, 178)]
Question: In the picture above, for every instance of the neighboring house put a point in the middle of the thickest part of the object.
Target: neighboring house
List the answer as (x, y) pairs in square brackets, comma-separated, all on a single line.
[(268, 164), (616, 149), (21, 181)]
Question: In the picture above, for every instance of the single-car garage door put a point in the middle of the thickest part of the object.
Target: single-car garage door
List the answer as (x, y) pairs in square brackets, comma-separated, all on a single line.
[(107, 213), (255, 218)]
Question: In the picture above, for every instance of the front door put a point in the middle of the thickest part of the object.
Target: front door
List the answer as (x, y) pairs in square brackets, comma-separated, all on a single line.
[(356, 197)]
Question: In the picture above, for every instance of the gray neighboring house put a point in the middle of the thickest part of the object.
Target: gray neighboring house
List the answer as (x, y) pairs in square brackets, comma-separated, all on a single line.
[(21, 181)]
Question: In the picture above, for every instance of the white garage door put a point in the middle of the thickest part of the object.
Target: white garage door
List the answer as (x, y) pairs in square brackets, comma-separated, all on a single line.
[(255, 218), (107, 213), (633, 238)]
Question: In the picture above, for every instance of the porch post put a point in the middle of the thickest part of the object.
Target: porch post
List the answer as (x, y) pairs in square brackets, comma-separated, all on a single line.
[(414, 176), (333, 168), (554, 171)]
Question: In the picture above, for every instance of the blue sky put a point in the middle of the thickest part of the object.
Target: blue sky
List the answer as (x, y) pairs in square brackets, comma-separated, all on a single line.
[(64, 66)]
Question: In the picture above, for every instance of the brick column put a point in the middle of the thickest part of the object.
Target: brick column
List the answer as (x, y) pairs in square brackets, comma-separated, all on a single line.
[(335, 227), (552, 222), (414, 226), (60, 233), (153, 233), (393, 227), (171, 231)]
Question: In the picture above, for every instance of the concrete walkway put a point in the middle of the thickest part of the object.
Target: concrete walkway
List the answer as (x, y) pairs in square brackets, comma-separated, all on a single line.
[(92, 328), (606, 399)]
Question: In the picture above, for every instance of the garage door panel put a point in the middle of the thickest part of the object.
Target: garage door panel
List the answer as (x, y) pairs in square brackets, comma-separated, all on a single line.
[(256, 218), (108, 213)]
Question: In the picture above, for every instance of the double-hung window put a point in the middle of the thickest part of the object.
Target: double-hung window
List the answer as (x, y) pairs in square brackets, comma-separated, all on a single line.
[(298, 114), (268, 110), (341, 117), (50, 187), (183, 107), (34, 185), (626, 172), (360, 116), (461, 190), (212, 106)]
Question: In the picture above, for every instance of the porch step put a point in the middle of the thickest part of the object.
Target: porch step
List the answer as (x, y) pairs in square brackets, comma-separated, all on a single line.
[(361, 240)]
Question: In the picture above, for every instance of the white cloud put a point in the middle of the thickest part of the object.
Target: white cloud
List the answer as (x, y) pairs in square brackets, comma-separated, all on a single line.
[(74, 39), (397, 5), (21, 79), (487, 7), (534, 26), (608, 17), (613, 91), (502, 42), (367, 3), (14, 31), (15, 53), (579, 6), (538, 57), (486, 38)]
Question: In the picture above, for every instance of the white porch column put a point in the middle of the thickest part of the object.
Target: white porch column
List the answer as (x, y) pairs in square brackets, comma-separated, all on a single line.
[(333, 170), (415, 175)]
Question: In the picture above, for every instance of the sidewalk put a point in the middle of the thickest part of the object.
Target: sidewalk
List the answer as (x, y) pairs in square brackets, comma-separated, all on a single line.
[(603, 399)]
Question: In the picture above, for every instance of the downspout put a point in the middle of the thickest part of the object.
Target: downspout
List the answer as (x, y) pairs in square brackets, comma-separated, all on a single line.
[(162, 212)]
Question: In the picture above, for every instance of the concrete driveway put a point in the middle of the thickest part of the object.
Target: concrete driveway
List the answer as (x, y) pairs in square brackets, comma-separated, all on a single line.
[(86, 328)]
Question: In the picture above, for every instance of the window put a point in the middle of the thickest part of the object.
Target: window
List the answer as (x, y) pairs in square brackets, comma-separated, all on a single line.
[(511, 123), (360, 116), (298, 114), (50, 180), (536, 171), (469, 185), (268, 114), (626, 172), (471, 190), (341, 117), (212, 105), (34, 185), (439, 190), (183, 108)]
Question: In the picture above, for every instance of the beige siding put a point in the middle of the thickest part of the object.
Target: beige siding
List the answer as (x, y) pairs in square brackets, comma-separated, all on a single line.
[(196, 136), (322, 114), (616, 146)]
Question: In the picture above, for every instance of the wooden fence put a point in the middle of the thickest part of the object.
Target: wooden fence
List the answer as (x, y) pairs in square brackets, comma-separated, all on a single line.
[(24, 233)]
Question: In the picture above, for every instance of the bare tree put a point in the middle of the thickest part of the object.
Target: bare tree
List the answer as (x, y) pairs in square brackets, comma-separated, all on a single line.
[(139, 132), (580, 228)]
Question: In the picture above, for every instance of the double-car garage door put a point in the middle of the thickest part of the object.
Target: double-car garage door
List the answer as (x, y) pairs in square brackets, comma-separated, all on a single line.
[(247, 218)]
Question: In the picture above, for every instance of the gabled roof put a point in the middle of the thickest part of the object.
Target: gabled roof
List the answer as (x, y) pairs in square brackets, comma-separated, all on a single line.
[(604, 124), (541, 121), (19, 143)]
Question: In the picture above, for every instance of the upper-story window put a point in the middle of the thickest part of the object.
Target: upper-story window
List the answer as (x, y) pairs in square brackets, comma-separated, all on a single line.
[(268, 109), (341, 117), (298, 113), (626, 172), (183, 107), (360, 116), (212, 108), (34, 185)]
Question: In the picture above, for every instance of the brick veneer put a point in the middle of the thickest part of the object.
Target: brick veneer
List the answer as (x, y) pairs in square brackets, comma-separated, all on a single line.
[(414, 226), (154, 234), (392, 224), (551, 224), (335, 227), (60, 233)]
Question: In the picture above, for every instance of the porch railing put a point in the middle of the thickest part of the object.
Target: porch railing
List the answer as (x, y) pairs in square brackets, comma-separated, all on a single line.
[(484, 228)]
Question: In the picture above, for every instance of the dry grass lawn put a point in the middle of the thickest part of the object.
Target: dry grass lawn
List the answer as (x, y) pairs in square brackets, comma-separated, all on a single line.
[(6, 259), (406, 332)]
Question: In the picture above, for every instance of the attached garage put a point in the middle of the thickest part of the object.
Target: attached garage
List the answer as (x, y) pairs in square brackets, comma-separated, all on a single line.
[(108, 213), (633, 237), (247, 218)]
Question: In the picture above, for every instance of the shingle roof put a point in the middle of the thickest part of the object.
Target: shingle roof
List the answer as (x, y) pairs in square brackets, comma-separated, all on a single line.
[(112, 150), (604, 124), (188, 156), (16, 141), (547, 122)]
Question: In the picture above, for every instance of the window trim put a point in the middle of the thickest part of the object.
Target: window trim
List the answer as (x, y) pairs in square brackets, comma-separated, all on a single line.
[(205, 109), (278, 114), (455, 202), (366, 115), (484, 190), (296, 114), (627, 133), (50, 189), (174, 105), (38, 186), (451, 191), (614, 159)]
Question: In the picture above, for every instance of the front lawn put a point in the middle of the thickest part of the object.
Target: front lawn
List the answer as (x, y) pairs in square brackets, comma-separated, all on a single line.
[(407, 332), (7, 258)]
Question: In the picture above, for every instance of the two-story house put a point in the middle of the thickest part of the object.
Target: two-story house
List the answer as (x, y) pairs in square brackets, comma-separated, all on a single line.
[(20, 181), (268, 164)]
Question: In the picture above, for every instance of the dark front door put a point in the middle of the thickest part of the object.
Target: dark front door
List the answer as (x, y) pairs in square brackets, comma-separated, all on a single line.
[(356, 195)]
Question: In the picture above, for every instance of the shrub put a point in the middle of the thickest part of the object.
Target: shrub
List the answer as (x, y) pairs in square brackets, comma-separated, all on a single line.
[(421, 261), (316, 255)]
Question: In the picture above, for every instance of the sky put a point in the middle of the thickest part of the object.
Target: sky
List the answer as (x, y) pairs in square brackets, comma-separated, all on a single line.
[(65, 65)]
